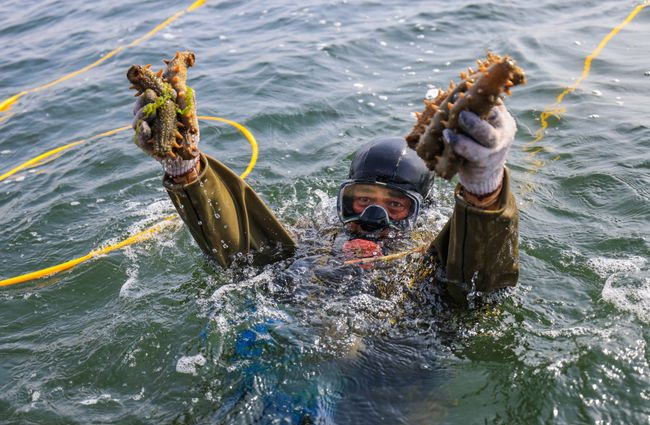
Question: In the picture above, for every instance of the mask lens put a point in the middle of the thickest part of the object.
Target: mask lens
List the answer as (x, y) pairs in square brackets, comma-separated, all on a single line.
[(355, 197)]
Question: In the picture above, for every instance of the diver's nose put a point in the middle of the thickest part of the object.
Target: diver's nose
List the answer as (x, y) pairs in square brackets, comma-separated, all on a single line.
[(374, 218)]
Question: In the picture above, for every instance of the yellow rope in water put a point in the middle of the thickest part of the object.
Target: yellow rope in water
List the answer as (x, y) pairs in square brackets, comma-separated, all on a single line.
[(9, 102), (247, 134), (92, 254), (555, 110), (140, 236), (40, 158)]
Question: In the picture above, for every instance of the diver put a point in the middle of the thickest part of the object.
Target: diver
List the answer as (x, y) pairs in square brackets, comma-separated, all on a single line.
[(387, 187)]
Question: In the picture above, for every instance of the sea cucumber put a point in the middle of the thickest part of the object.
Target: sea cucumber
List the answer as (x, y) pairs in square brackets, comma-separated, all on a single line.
[(165, 131), (177, 76), (169, 102), (478, 92), (143, 78)]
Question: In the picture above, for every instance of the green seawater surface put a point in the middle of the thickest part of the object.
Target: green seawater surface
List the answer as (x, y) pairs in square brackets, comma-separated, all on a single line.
[(155, 334)]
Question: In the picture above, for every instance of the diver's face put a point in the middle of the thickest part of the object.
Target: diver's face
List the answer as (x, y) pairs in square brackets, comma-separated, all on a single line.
[(397, 204)]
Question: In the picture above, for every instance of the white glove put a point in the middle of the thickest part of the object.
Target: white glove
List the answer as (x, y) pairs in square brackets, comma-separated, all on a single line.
[(142, 125), (484, 144)]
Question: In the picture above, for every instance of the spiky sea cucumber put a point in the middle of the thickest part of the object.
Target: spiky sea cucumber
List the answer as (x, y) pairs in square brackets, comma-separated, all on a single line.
[(478, 92)]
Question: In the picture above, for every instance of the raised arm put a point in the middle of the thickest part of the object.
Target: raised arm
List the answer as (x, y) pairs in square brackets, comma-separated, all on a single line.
[(223, 213), (226, 217), (478, 248)]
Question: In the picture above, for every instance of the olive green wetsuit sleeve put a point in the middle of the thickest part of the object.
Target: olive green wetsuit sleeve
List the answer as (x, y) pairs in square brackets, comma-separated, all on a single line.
[(226, 217), (478, 249)]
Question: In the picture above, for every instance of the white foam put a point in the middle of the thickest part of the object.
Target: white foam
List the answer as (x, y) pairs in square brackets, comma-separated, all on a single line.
[(126, 289), (94, 400), (219, 295), (188, 364), (629, 291), (606, 266), (138, 396)]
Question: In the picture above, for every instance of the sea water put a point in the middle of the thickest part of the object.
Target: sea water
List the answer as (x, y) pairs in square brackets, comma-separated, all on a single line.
[(153, 333)]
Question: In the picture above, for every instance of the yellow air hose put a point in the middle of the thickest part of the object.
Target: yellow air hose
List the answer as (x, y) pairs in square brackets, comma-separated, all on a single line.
[(555, 110), (144, 234), (42, 157)]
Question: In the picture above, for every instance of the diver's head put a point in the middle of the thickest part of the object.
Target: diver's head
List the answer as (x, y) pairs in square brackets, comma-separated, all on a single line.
[(385, 188)]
